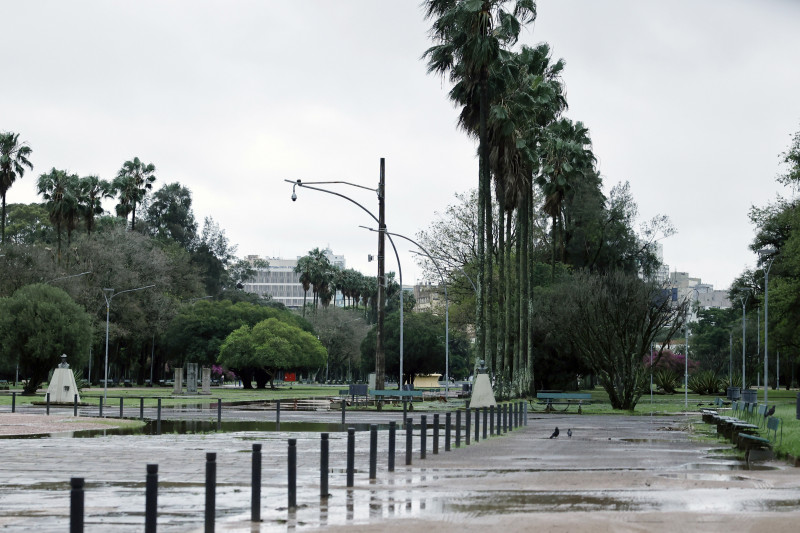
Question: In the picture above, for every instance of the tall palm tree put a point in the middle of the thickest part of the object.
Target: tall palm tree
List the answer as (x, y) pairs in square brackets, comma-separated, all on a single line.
[(13, 161), (135, 178), (58, 190), (92, 192), (469, 35), (303, 267)]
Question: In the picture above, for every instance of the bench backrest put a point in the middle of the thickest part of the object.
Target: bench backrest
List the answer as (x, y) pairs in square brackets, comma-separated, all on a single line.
[(773, 423), (564, 396)]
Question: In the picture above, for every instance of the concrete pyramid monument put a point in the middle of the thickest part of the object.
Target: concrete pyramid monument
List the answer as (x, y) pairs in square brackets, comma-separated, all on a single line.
[(62, 387), (482, 393)]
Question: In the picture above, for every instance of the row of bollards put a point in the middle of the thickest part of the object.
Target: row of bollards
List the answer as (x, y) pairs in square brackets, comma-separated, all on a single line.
[(507, 417)]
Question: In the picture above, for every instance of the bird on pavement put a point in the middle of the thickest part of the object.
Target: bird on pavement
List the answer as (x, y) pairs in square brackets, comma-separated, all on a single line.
[(770, 412), (555, 434), (569, 433)]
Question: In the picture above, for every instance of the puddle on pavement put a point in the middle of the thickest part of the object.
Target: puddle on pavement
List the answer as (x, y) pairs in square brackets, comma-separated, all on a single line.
[(183, 427), (737, 465)]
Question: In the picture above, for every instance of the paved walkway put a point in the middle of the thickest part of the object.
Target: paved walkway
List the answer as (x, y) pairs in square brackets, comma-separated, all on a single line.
[(616, 473)]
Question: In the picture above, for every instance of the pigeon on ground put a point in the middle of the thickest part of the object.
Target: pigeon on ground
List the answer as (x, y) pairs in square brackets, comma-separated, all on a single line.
[(569, 433), (770, 412), (555, 434)]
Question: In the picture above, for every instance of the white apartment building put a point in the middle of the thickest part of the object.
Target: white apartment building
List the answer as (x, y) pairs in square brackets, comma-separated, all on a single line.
[(280, 281)]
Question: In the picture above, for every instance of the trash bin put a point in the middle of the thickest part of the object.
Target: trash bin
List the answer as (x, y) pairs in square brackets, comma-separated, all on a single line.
[(734, 393), (749, 396)]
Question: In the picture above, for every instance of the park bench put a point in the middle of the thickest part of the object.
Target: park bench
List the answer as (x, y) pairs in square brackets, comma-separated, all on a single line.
[(709, 414), (394, 396), (731, 426), (758, 448), (549, 399)]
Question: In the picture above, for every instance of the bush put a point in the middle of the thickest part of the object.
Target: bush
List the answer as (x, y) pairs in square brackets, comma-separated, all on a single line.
[(666, 380), (705, 382)]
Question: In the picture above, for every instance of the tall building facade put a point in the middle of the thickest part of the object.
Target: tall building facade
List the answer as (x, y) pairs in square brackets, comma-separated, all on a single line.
[(282, 283)]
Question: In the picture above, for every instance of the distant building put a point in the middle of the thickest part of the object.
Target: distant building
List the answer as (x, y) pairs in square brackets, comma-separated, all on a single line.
[(702, 294), (282, 283)]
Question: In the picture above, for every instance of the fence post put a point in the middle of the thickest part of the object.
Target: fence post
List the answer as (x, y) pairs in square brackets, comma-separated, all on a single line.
[(255, 485), (211, 490), (436, 433), (323, 466), (101, 408), (158, 421), (141, 408), (491, 420), (423, 437), (409, 436), (485, 425), (447, 420), (120, 406), (392, 431), (219, 414), (525, 410), (75, 405), (278, 415), (76, 505), (47, 401), (499, 419), (468, 423), (505, 418), (458, 428), (292, 473), (373, 451), (405, 411), (477, 424), (14, 402), (151, 499), (351, 453)]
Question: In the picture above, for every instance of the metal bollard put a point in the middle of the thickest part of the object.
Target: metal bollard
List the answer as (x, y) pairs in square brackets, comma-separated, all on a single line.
[(458, 429), (516, 415), (423, 436), (405, 410), (499, 419), (151, 499), (505, 418), (76, 505), (101, 408), (468, 424), (120, 406), (344, 404), (351, 455), (48, 403), (211, 490), (141, 408), (436, 433), (525, 411), (392, 431), (477, 424), (447, 419), (409, 436), (75, 405), (13, 402), (323, 465), (491, 420), (292, 473), (373, 451), (255, 485), (485, 425), (278, 415), (158, 421)]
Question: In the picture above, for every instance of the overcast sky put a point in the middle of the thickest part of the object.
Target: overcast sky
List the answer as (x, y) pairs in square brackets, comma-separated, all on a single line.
[(691, 101)]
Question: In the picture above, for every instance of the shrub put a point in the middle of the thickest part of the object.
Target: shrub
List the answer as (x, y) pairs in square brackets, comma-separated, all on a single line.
[(666, 380), (705, 382)]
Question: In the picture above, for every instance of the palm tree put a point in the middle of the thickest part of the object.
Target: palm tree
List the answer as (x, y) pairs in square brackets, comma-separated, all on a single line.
[(59, 192), (469, 36), (13, 160), (135, 179), (304, 269), (92, 192)]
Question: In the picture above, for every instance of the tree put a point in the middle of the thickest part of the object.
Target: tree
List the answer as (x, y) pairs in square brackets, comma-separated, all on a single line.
[(613, 320), (169, 216), (340, 331), (92, 191), (28, 224), (38, 324), (270, 346), (13, 161), (133, 181), (59, 191), (212, 253)]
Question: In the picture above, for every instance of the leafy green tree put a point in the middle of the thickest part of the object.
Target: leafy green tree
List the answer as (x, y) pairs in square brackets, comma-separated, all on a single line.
[(271, 345), (340, 331), (169, 215), (38, 323), (13, 161), (28, 224), (211, 254), (59, 191), (133, 181), (92, 191), (613, 319), (711, 339)]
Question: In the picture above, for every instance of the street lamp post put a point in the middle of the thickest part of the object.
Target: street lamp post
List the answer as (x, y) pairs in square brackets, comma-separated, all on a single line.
[(380, 358), (743, 299), (109, 294), (686, 360), (767, 254)]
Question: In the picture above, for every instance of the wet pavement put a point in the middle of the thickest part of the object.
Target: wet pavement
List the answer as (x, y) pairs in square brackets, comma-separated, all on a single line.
[(616, 473)]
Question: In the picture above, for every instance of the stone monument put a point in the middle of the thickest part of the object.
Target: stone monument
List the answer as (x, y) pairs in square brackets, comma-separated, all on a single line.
[(178, 388), (191, 378), (62, 387), (482, 394), (206, 382)]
